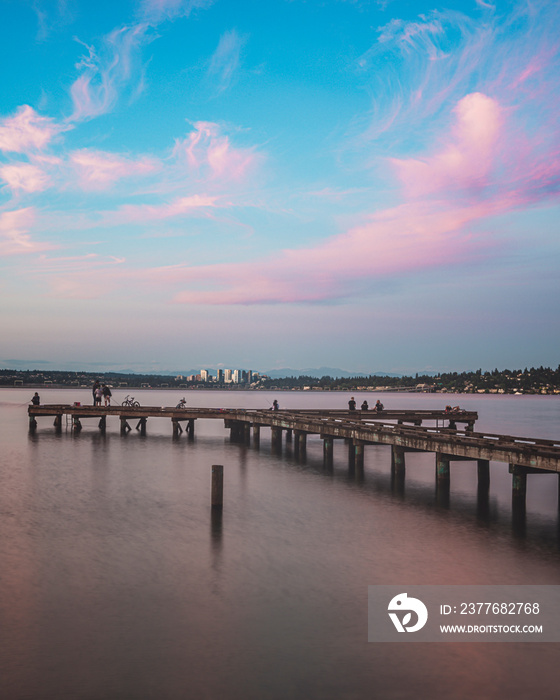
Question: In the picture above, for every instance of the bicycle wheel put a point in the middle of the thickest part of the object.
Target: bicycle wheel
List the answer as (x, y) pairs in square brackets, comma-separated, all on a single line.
[(135, 404)]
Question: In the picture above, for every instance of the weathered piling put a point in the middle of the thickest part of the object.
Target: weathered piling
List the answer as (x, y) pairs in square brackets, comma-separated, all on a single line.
[(217, 486)]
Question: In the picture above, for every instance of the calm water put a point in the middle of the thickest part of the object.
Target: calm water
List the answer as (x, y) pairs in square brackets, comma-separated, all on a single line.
[(116, 581)]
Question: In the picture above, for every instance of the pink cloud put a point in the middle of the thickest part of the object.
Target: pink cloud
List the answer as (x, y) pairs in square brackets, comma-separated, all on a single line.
[(97, 170), (14, 236), (466, 160), (27, 131), (406, 239), (207, 149), (178, 207), (107, 72), (157, 11), (24, 177)]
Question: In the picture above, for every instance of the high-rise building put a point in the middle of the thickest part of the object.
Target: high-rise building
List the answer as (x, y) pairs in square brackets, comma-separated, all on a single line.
[(227, 376), (236, 376), (204, 375), (220, 376)]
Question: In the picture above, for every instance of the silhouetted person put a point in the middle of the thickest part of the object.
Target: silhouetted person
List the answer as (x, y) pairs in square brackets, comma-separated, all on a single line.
[(36, 399), (352, 404), (365, 406)]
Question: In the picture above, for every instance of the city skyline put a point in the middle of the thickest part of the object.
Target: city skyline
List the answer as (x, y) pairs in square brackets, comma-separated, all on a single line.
[(362, 185)]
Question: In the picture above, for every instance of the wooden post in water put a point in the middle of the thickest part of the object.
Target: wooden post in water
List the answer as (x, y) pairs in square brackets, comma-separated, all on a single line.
[(276, 438), (217, 486), (256, 434)]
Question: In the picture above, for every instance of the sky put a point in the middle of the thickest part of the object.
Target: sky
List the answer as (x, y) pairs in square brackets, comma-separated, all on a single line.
[(364, 184)]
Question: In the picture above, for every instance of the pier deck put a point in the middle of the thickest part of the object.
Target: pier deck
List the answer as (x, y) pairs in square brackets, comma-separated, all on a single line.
[(402, 430)]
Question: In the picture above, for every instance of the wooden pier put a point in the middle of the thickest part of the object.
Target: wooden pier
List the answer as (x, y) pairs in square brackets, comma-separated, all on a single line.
[(450, 435)]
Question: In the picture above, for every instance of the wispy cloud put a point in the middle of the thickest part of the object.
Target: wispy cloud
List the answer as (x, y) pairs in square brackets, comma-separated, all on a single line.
[(24, 177), (108, 71), (156, 11), (181, 206), (27, 131), (209, 151), (15, 238), (225, 61), (97, 170)]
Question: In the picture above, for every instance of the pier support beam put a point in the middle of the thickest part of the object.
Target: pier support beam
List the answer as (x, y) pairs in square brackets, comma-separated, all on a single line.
[(58, 422), (300, 444), (190, 428), (289, 433), (217, 486), (483, 469), (518, 485), (32, 424), (125, 427), (442, 467), (397, 460), (276, 438), (102, 423), (141, 425), (76, 425), (328, 450), (256, 434)]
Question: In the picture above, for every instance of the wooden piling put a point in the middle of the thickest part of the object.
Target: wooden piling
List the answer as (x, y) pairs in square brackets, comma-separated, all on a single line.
[(328, 450), (217, 486)]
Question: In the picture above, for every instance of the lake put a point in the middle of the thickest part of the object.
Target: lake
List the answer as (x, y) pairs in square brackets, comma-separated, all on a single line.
[(118, 582)]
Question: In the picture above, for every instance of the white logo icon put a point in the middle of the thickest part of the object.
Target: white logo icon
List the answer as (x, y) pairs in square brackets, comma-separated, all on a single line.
[(403, 603)]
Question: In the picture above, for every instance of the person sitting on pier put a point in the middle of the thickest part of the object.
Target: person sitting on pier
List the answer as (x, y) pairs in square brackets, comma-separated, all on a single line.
[(352, 404), (365, 406), (378, 406), (106, 395), (36, 399), (275, 405)]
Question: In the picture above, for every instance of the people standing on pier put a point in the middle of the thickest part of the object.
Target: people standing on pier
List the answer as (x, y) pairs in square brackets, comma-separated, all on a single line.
[(94, 388), (365, 406), (98, 394), (36, 399), (275, 405), (106, 395), (378, 406), (352, 404)]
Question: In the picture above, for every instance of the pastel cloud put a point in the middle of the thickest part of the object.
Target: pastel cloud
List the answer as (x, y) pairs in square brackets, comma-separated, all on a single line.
[(107, 72), (14, 233), (406, 239), (180, 206), (207, 148), (25, 177), (225, 61), (466, 161), (27, 131), (156, 11), (97, 170)]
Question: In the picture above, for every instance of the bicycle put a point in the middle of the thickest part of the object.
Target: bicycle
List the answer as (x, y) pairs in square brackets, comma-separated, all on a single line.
[(129, 401), (182, 403)]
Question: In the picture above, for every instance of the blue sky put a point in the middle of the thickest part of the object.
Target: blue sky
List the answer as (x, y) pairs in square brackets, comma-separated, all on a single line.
[(371, 185)]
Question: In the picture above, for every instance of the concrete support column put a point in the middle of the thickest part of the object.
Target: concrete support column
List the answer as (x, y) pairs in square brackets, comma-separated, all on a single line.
[(442, 467), (276, 438), (359, 454), (328, 450), (256, 434), (397, 460), (519, 484), (102, 423), (483, 468), (58, 422), (246, 433), (289, 433), (300, 444)]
